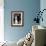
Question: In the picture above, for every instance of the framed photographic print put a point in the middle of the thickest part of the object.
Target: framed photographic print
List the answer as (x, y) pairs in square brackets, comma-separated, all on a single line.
[(17, 18)]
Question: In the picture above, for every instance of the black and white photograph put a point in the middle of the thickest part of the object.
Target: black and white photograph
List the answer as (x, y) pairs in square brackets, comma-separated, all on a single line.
[(17, 18)]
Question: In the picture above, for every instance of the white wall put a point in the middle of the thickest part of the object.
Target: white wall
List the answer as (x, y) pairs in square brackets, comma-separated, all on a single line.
[(43, 6), (1, 21)]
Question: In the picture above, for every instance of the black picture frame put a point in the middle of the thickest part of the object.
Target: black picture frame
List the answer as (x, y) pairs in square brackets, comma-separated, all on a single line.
[(17, 18)]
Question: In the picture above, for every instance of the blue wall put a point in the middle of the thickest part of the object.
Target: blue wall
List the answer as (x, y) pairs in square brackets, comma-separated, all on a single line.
[(29, 7)]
